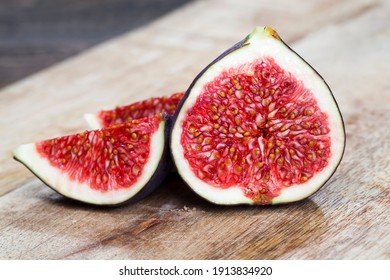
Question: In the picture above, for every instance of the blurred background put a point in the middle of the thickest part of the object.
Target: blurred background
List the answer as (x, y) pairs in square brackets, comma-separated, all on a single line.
[(35, 34)]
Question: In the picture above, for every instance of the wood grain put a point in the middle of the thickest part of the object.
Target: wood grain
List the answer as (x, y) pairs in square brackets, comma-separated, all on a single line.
[(348, 42)]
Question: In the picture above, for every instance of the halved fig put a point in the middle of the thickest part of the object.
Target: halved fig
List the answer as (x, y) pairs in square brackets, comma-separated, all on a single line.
[(110, 166), (257, 126), (141, 109)]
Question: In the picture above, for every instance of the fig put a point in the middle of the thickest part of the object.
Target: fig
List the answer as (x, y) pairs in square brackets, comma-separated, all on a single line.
[(136, 110), (257, 126), (109, 166)]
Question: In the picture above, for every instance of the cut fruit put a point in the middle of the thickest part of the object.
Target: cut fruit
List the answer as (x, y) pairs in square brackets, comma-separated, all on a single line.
[(142, 109), (257, 126), (109, 166)]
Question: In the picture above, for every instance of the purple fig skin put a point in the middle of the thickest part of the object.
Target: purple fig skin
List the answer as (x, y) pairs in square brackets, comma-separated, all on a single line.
[(242, 44)]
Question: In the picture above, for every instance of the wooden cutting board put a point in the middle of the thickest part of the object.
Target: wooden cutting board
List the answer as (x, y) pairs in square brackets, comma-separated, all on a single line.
[(347, 41)]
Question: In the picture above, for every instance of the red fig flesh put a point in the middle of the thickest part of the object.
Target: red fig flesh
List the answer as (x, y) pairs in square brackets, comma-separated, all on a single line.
[(141, 109)]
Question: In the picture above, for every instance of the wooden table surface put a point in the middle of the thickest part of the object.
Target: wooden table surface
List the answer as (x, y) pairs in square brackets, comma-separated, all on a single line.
[(347, 41)]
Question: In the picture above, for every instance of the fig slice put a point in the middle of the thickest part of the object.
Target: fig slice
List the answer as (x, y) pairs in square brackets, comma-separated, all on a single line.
[(257, 126), (110, 166), (136, 110)]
